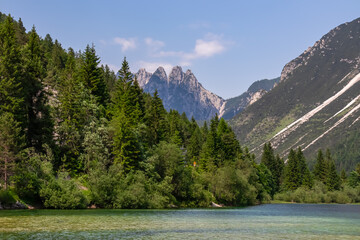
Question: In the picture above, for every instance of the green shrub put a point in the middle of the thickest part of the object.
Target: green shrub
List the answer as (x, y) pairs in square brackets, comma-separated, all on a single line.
[(231, 187), (103, 185), (62, 193), (136, 190)]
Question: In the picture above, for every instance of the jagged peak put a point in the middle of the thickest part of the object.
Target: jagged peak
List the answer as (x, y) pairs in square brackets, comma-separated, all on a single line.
[(142, 70), (176, 74), (160, 72)]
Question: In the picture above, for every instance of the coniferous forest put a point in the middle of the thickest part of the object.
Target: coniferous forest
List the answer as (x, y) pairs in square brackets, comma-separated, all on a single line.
[(75, 134)]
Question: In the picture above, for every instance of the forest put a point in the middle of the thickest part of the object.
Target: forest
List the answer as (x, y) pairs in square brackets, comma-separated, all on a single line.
[(75, 134)]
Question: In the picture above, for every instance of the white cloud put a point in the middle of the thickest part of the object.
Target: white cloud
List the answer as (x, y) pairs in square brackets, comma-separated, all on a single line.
[(126, 44), (207, 47), (152, 66), (154, 45)]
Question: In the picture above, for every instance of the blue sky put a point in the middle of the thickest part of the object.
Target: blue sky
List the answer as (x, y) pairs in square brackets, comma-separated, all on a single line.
[(227, 44)]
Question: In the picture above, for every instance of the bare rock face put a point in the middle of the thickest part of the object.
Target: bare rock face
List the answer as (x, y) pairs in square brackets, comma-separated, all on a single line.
[(143, 77), (256, 96), (257, 90), (182, 92), (322, 48)]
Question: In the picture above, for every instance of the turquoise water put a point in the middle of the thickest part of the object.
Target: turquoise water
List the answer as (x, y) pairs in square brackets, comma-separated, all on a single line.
[(269, 221)]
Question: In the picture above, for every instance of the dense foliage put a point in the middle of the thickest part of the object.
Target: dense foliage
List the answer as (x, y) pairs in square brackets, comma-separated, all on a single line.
[(75, 134)]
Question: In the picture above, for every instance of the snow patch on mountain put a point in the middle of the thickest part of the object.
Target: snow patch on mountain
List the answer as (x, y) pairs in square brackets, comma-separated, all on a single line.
[(335, 125), (291, 127)]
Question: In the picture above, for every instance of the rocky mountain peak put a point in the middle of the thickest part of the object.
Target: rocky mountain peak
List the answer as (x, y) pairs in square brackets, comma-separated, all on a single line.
[(182, 92), (161, 74), (332, 41), (143, 77), (176, 75)]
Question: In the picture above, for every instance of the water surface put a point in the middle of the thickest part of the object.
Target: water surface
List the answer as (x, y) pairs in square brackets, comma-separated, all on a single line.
[(270, 221)]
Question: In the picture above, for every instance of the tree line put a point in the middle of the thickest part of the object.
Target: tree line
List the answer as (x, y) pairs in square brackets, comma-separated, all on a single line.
[(73, 133)]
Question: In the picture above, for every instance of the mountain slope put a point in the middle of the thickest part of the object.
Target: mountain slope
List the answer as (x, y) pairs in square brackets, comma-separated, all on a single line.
[(237, 104), (182, 92), (316, 103)]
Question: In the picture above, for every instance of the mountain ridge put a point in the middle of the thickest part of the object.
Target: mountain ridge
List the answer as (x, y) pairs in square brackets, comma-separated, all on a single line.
[(183, 92), (310, 100)]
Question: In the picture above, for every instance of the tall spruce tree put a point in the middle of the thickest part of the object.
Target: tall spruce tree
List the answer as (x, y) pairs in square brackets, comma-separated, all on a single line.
[(291, 178), (332, 177), (39, 124), (320, 169), (274, 164), (11, 73), (127, 110), (91, 75), (304, 173)]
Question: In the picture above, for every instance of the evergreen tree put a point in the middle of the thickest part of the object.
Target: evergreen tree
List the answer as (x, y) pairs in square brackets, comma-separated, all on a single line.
[(332, 178), (291, 178), (126, 146), (296, 171), (21, 36), (274, 164), (304, 173), (194, 147), (228, 144), (320, 169), (109, 78), (155, 120), (38, 124), (127, 109), (91, 75), (11, 90)]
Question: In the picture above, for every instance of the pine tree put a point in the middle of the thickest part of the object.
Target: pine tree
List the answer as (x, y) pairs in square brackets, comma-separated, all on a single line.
[(126, 145), (332, 177), (156, 119), (91, 75), (194, 147), (39, 124), (109, 78), (11, 92), (274, 164), (127, 110), (304, 173), (228, 143), (70, 115), (291, 178), (320, 169)]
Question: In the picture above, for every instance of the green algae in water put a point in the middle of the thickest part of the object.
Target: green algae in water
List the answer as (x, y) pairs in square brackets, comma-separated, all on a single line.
[(271, 221)]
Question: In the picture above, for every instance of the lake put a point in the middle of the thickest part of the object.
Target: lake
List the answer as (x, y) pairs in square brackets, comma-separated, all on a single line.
[(268, 221)]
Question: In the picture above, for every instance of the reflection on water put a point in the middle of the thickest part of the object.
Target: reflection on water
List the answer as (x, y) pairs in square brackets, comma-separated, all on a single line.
[(270, 221)]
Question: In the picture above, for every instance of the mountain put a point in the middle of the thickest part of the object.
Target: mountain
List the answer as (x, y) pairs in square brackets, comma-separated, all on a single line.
[(316, 103), (182, 92), (235, 105)]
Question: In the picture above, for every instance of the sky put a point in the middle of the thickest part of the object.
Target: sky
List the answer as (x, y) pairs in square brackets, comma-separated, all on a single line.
[(227, 44)]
